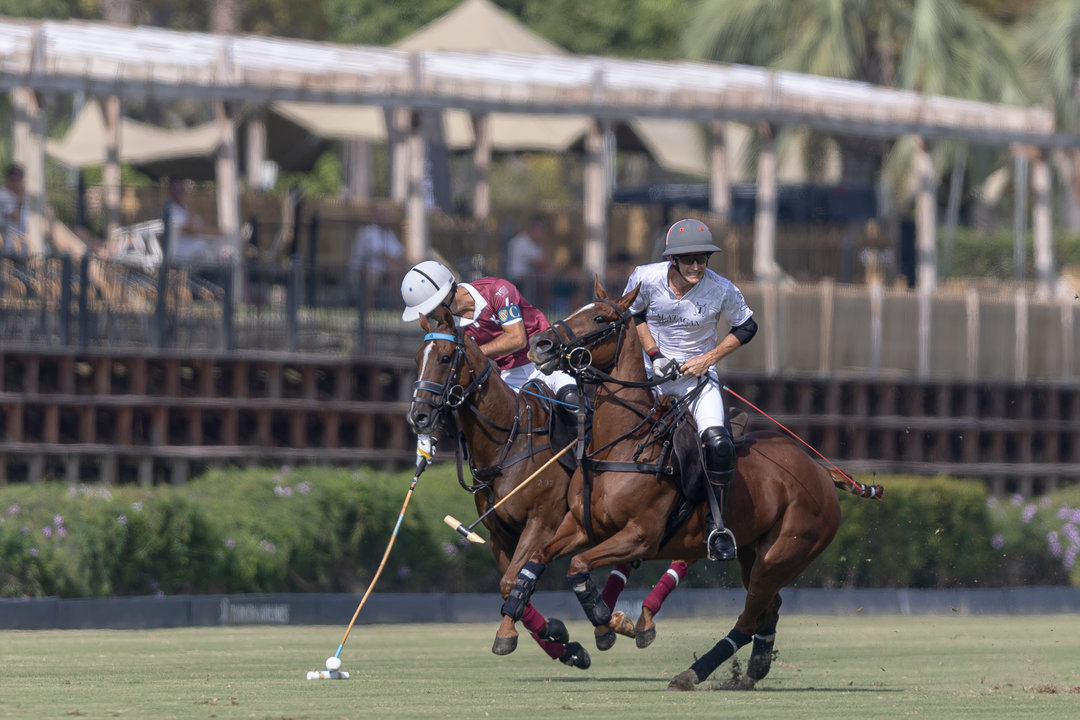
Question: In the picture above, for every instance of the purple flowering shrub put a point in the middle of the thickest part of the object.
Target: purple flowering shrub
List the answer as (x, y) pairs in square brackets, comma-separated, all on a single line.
[(1038, 538)]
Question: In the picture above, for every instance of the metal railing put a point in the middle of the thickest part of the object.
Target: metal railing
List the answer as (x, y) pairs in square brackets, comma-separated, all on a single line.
[(823, 328)]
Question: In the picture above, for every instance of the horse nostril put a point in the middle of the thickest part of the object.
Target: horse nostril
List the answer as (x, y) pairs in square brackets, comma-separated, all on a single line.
[(416, 419)]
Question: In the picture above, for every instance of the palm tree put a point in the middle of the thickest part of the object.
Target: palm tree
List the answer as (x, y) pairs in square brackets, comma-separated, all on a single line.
[(944, 47), (1050, 39)]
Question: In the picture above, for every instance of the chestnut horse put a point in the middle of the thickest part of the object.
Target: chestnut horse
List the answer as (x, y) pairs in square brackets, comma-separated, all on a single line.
[(507, 435), (783, 507)]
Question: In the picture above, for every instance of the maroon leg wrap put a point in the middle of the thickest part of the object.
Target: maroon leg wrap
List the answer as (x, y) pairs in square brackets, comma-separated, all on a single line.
[(533, 620), (616, 581), (665, 585)]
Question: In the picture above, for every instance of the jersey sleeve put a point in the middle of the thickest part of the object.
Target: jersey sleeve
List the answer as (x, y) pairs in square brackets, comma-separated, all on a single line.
[(736, 311), (506, 303)]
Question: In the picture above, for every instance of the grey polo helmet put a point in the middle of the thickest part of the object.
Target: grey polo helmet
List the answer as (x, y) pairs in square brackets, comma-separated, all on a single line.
[(425, 286), (687, 237)]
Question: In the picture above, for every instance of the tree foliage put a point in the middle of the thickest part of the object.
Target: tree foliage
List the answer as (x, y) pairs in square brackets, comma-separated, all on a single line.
[(937, 46)]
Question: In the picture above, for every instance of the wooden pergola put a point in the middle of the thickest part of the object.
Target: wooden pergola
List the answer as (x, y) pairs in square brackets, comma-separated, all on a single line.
[(117, 63)]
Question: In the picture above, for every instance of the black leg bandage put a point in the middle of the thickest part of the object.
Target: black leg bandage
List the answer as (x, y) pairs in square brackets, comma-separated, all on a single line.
[(761, 656), (589, 597), (514, 605), (720, 652)]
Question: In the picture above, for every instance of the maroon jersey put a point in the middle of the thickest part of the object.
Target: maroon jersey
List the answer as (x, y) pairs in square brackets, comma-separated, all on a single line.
[(498, 304)]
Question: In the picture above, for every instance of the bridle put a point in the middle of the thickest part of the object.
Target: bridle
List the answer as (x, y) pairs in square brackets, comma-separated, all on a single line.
[(447, 397), (451, 393), (576, 350)]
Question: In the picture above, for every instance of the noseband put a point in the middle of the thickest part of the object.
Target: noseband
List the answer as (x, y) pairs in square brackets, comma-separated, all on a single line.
[(451, 394), (576, 350)]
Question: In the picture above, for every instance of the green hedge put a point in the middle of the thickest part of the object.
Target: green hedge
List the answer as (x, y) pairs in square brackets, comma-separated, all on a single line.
[(976, 254), (318, 529)]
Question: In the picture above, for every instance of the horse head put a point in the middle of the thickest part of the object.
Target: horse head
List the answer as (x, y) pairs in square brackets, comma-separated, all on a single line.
[(592, 335), (449, 368)]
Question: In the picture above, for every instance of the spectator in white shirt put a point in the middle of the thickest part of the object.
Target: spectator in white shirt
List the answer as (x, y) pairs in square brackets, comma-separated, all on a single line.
[(527, 253), (376, 249), (191, 240)]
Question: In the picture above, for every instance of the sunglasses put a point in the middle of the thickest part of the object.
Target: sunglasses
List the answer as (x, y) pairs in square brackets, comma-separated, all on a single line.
[(700, 259)]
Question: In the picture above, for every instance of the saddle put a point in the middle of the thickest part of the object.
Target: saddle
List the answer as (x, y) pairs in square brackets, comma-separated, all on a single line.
[(559, 433), (687, 458)]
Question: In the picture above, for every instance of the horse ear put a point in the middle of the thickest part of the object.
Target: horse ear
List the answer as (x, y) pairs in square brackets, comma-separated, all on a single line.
[(425, 323), (598, 288), (628, 299), (442, 316)]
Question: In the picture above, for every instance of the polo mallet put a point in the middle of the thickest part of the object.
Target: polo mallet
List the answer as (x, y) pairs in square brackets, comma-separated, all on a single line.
[(425, 448), (467, 530)]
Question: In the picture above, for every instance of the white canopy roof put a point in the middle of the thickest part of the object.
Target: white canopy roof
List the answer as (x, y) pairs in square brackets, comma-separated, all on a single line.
[(83, 144), (478, 26)]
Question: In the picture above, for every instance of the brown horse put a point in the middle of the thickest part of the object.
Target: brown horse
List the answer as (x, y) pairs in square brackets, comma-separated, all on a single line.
[(507, 435), (783, 507)]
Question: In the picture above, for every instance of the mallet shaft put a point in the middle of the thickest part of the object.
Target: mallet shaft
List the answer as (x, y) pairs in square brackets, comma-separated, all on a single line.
[(466, 530)]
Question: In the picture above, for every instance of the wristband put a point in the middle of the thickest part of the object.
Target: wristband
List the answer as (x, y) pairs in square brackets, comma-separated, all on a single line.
[(654, 353)]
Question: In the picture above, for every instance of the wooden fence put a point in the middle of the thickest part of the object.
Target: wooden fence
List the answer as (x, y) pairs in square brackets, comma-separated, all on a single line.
[(154, 417), (159, 417)]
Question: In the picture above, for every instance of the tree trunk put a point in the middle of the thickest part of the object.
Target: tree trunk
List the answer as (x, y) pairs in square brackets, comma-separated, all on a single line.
[(120, 12), (226, 16)]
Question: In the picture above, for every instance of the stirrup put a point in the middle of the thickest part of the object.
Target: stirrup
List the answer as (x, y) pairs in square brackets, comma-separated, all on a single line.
[(709, 545)]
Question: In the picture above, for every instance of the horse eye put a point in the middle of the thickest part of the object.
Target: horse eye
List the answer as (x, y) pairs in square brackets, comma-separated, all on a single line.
[(599, 319), (444, 359)]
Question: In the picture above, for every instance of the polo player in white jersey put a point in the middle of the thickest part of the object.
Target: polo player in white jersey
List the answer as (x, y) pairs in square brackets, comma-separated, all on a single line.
[(680, 310)]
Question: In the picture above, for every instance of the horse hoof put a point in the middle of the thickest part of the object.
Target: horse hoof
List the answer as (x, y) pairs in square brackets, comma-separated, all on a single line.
[(622, 624), (556, 632), (504, 645), (576, 656), (686, 680), (645, 638), (605, 638), (746, 683)]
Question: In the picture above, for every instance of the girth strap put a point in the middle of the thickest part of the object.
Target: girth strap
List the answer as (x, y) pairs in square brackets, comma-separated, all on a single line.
[(636, 467)]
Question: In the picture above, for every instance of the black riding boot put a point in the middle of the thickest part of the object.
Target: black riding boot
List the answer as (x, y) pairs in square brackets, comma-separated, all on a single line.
[(567, 407), (719, 469)]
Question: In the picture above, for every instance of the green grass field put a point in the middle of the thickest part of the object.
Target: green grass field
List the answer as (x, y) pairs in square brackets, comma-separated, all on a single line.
[(859, 667)]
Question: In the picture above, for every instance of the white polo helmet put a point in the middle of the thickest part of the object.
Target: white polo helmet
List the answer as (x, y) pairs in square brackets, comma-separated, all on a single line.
[(424, 287)]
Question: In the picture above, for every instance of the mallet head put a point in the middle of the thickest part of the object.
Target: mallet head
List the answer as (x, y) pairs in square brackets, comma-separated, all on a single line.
[(465, 531)]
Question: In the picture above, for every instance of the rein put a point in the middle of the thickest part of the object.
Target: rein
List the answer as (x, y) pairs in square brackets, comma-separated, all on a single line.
[(452, 395), (577, 352)]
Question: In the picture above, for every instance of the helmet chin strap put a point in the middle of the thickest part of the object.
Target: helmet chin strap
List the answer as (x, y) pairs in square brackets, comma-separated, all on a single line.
[(675, 264)]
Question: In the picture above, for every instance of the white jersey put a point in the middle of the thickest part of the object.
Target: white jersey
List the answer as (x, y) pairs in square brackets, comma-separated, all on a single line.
[(688, 326)]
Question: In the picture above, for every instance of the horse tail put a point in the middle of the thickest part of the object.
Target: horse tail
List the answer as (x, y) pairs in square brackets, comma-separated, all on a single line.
[(843, 482)]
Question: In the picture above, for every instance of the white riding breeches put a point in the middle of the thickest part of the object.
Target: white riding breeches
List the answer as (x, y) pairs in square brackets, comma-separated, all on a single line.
[(556, 381), (708, 407)]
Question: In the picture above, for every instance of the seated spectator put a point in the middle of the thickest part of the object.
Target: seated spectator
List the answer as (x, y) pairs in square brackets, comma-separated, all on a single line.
[(377, 256), (527, 254), (13, 209), (376, 250), (190, 239)]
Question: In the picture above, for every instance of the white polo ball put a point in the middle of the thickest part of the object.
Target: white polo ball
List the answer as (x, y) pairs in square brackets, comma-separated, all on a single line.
[(333, 663)]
